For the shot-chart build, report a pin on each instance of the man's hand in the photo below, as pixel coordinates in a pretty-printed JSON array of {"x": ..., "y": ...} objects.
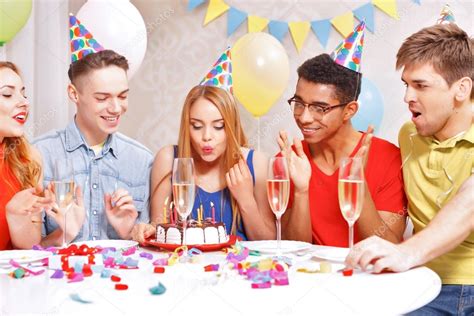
[
  {"x": 298, "y": 163},
  {"x": 382, "y": 254},
  {"x": 121, "y": 212}
]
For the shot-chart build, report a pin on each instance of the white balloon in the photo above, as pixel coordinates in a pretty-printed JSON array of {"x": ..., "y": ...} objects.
[{"x": 117, "y": 25}]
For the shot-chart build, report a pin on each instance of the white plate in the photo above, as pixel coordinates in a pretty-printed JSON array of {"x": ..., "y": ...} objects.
[
  {"x": 270, "y": 246},
  {"x": 109, "y": 243},
  {"x": 22, "y": 256},
  {"x": 335, "y": 254}
]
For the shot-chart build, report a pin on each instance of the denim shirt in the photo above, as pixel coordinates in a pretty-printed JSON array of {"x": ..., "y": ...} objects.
[{"x": 122, "y": 163}]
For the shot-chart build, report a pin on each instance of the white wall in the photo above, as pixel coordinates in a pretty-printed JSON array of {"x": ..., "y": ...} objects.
[{"x": 181, "y": 51}]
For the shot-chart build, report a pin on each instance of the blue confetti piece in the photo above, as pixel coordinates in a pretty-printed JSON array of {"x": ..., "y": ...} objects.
[
  {"x": 75, "y": 297},
  {"x": 105, "y": 273},
  {"x": 158, "y": 290}
]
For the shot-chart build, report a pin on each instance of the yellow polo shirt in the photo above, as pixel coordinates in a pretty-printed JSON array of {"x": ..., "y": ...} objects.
[{"x": 433, "y": 171}]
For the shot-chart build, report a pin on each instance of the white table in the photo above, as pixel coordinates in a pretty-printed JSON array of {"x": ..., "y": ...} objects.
[{"x": 192, "y": 291}]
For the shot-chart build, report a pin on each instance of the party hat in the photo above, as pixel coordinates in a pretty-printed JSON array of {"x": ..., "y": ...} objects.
[
  {"x": 349, "y": 52},
  {"x": 82, "y": 41},
  {"x": 221, "y": 73},
  {"x": 446, "y": 16}
]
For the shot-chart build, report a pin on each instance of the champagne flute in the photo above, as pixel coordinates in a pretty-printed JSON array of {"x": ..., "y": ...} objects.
[
  {"x": 351, "y": 192},
  {"x": 64, "y": 189},
  {"x": 183, "y": 189},
  {"x": 278, "y": 191}
]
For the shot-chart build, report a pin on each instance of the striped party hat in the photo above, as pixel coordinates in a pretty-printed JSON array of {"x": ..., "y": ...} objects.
[
  {"x": 82, "y": 41},
  {"x": 446, "y": 16},
  {"x": 349, "y": 52},
  {"x": 221, "y": 73}
]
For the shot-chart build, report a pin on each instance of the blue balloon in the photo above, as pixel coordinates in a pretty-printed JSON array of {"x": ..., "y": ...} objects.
[{"x": 370, "y": 107}]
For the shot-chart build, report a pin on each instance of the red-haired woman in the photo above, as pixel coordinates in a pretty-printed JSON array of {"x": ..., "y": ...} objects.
[{"x": 20, "y": 167}]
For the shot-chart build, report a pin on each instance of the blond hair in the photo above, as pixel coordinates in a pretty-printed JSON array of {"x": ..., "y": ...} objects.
[
  {"x": 235, "y": 136},
  {"x": 17, "y": 153}
]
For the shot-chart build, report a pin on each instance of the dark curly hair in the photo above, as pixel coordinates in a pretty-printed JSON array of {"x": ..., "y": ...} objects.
[
  {"x": 95, "y": 61},
  {"x": 323, "y": 70}
]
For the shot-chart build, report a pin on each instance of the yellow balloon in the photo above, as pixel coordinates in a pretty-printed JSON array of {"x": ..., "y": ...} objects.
[
  {"x": 260, "y": 71},
  {"x": 13, "y": 16}
]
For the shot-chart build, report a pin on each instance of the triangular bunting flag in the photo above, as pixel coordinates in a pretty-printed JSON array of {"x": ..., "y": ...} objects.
[
  {"x": 321, "y": 29},
  {"x": 256, "y": 23},
  {"x": 234, "y": 19},
  {"x": 366, "y": 13},
  {"x": 299, "y": 32},
  {"x": 344, "y": 23},
  {"x": 387, "y": 6},
  {"x": 193, "y": 4},
  {"x": 81, "y": 40},
  {"x": 221, "y": 73},
  {"x": 215, "y": 9},
  {"x": 417, "y": 1},
  {"x": 278, "y": 29}
]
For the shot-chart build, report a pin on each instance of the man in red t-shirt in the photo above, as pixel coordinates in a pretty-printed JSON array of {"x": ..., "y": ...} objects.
[{"x": 323, "y": 105}]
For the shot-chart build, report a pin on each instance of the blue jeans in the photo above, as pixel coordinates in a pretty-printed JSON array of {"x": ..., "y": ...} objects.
[{"x": 452, "y": 300}]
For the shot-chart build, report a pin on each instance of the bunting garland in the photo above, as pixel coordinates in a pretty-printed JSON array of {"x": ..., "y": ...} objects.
[{"x": 299, "y": 30}]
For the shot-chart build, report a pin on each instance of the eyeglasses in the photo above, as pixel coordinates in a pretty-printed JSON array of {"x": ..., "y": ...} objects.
[{"x": 316, "y": 110}]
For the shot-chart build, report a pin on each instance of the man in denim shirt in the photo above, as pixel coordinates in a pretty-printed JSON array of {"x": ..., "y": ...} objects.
[{"x": 112, "y": 169}]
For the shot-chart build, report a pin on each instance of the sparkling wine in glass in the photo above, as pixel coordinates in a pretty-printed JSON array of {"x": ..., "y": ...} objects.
[
  {"x": 183, "y": 189},
  {"x": 278, "y": 191},
  {"x": 64, "y": 187},
  {"x": 351, "y": 192}
]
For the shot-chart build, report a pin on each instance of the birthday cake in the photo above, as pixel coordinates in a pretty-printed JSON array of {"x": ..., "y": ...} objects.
[{"x": 197, "y": 232}]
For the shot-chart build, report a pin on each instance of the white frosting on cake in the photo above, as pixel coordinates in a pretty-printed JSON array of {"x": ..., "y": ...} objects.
[
  {"x": 211, "y": 236},
  {"x": 173, "y": 236},
  {"x": 160, "y": 234},
  {"x": 196, "y": 233},
  {"x": 194, "y": 236},
  {"x": 223, "y": 237}
]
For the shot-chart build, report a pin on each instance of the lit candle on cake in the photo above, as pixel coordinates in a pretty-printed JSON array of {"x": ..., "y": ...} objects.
[
  {"x": 165, "y": 211},
  {"x": 198, "y": 210},
  {"x": 213, "y": 213},
  {"x": 172, "y": 218}
]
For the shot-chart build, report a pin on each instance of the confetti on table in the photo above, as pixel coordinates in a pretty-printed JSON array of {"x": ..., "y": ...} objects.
[
  {"x": 105, "y": 273},
  {"x": 146, "y": 255},
  {"x": 75, "y": 277},
  {"x": 347, "y": 272},
  {"x": 77, "y": 298},
  {"x": 121, "y": 287},
  {"x": 159, "y": 270},
  {"x": 58, "y": 274},
  {"x": 158, "y": 290},
  {"x": 115, "y": 278}
]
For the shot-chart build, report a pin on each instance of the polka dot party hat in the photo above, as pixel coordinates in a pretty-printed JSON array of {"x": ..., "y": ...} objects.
[
  {"x": 221, "y": 73},
  {"x": 82, "y": 41},
  {"x": 446, "y": 16},
  {"x": 349, "y": 52}
]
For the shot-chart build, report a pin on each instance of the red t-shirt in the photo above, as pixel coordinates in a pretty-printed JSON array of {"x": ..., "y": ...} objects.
[
  {"x": 384, "y": 179},
  {"x": 9, "y": 185}
]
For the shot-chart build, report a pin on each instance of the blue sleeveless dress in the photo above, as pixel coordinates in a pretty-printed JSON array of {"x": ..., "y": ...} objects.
[{"x": 221, "y": 200}]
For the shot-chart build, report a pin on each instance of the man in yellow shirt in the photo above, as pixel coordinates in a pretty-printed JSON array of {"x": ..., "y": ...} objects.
[{"x": 437, "y": 150}]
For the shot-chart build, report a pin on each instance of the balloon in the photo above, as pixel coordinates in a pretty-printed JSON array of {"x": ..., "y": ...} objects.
[
  {"x": 370, "y": 107},
  {"x": 260, "y": 71},
  {"x": 13, "y": 16},
  {"x": 117, "y": 25}
]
